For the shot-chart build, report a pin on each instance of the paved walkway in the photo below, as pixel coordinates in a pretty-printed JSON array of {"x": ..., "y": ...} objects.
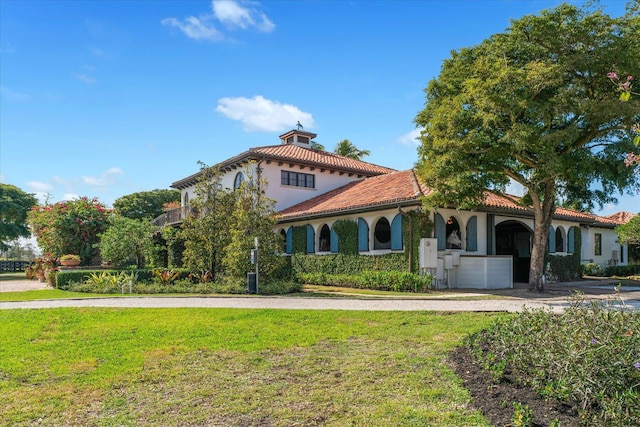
[{"x": 510, "y": 300}]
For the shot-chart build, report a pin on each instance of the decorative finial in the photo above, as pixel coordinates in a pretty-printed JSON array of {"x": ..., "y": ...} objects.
[{"x": 299, "y": 125}]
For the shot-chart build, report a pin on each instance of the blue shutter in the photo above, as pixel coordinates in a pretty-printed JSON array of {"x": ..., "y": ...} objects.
[
  {"x": 289, "y": 247},
  {"x": 472, "y": 234},
  {"x": 311, "y": 240},
  {"x": 334, "y": 241},
  {"x": 363, "y": 235},
  {"x": 571, "y": 240},
  {"x": 441, "y": 230},
  {"x": 396, "y": 233},
  {"x": 552, "y": 240}
]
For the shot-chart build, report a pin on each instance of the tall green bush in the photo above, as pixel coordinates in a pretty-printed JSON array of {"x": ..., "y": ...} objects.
[{"x": 347, "y": 232}]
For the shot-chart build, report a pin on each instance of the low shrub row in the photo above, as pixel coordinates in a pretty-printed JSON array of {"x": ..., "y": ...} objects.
[
  {"x": 587, "y": 358},
  {"x": 622, "y": 270},
  {"x": 165, "y": 282},
  {"x": 348, "y": 264},
  {"x": 398, "y": 281}
]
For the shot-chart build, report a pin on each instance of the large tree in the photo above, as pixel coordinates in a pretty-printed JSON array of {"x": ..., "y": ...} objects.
[
  {"x": 534, "y": 105},
  {"x": 346, "y": 148},
  {"x": 145, "y": 204},
  {"x": 14, "y": 205}
]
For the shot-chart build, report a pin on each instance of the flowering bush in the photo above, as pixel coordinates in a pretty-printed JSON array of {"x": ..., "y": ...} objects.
[{"x": 69, "y": 227}]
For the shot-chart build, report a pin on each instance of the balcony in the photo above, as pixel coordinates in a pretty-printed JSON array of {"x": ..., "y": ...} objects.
[{"x": 173, "y": 217}]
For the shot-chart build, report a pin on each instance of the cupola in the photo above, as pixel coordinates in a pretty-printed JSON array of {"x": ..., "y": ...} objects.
[{"x": 298, "y": 137}]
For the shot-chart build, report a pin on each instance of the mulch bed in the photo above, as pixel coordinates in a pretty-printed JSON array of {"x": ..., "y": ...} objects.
[{"x": 495, "y": 401}]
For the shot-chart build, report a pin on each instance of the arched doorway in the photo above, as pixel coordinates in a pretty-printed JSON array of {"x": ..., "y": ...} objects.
[{"x": 514, "y": 238}]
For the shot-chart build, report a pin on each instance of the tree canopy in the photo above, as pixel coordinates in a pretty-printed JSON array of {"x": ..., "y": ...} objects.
[
  {"x": 346, "y": 148},
  {"x": 630, "y": 232},
  {"x": 534, "y": 105},
  {"x": 145, "y": 204},
  {"x": 14, "y": 205}
]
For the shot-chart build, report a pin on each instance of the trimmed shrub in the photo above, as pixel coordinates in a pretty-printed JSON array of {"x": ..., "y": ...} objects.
[
  {"x": 347, "y": 264},
  {"x": 398, "y": 281},
  {"x": 622, "y": 270}
]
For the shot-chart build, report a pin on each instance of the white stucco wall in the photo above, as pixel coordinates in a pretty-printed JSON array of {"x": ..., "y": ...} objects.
[{"x": 609, "y": 244}]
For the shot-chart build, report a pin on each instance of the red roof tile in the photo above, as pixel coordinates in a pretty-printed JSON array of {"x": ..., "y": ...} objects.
[
  {"x": 294, "y": 153},
  {"x": 389, "y": 189},
  {"x": 622, "y": 217},
  {"x": 404, "y": 187}
]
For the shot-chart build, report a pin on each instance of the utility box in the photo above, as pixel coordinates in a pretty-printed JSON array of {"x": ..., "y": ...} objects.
[
  {"x": 428, "y": 253},
  {"x": 252, "y": 286}
]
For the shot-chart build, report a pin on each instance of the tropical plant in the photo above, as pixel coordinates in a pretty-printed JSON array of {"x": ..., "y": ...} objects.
[
  {"x": 346, "y": 148},
  {"x": 533, "y": 105}
]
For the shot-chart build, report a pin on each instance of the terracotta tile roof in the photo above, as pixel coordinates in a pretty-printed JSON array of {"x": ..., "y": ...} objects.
[
  {"x": 383, "y": 190},
  {"x": 404, "y": 188},
  {"x": 622, "y": 217},
  {"x": 503, "y": 201},
  {"x": 298, "y": 155},
  {"x": 319, "y": 158}
]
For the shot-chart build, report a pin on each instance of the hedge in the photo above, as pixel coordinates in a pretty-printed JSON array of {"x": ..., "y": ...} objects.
[
  {"x": 347, "y": 264},
  {"x": 622, "y": 270}
]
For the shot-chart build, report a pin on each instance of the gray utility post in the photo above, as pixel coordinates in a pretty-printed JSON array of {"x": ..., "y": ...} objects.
[{"x": 255, "y": 241}]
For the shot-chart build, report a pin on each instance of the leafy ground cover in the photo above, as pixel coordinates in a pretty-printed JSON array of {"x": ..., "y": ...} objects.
[
  {"x": 233, "y": 367},
  {"x": 581, "y": 367}
]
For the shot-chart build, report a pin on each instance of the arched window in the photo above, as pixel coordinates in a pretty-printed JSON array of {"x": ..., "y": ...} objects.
[
  {"x": 559, "y": 239},
  {"x": 283, "y": 235},
  {"x": 363, "y": 235},
  {"x": 324, "y": 243},
  {"x": 454, "y": 238},
  {"x": 472, "y": 234},
  {"x": 185, "y": 199},
  {"x": 551, "y": 246},
  {"x": 237, "y": 182},
  {"x": 441, "y": 229},
  {"x": 382, "y": 234},
  {"x": 396, "y": 233},
  {"x": 289, "y": 241},
  {"x": 311, "y": 240}
]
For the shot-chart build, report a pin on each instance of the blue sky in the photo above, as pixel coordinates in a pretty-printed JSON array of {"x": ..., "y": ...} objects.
[{"x": 108, "y": 98}]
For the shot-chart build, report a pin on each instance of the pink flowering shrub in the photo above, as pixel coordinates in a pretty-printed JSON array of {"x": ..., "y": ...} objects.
[{"x": 69, "y": 227}]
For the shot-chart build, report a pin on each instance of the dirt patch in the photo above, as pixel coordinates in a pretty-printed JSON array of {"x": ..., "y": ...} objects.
[{"x": 495, "y": 401}]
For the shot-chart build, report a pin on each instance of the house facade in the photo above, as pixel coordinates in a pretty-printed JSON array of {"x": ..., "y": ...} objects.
[{"x": 489, "y": 247}]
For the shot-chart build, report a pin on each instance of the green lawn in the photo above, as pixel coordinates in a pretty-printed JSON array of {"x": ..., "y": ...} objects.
[{"x": 232, "y": 367}]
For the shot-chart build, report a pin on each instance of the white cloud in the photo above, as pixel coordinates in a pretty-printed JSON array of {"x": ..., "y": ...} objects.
[
  {"x": 84, "y": 78},
  {"x": 241, "y": 15},
  {"x": 263, "y": 115},
  {"x": 410, "y": 138},
  {"x": 234, "y": 14},
  {"x": 40, "y": 187},
  {"x": 107, "y": 178},
  {"x": 70, "y": 196},
  {"x": 195, "y": 28}
]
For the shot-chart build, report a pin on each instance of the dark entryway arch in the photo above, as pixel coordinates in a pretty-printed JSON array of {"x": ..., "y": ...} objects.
[{"x": 514, "y": 238}]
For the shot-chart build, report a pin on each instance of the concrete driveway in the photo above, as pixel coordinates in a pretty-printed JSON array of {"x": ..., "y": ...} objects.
[{"x": 508, "y": 300}]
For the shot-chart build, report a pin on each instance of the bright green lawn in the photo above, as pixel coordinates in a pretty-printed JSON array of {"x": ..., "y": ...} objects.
[{"x": 232, "y": 367}]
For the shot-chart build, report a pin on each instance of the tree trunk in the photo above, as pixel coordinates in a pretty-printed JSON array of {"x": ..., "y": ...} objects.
[{"x": 543, "y": 214}]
